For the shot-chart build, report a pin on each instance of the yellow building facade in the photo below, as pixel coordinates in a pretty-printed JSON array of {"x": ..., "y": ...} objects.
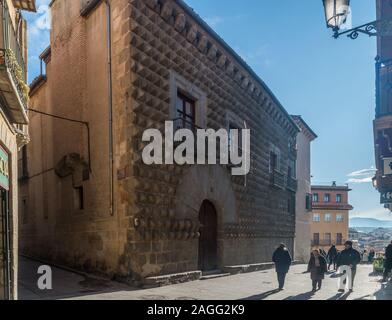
[{"x": 330, "y": 220}]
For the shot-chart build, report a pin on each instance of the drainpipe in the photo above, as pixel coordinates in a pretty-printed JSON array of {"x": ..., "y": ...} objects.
[{"x": 110, "y": 94}]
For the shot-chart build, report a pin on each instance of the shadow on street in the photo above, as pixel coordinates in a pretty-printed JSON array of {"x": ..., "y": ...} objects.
[{"x": 263, "y": 296}]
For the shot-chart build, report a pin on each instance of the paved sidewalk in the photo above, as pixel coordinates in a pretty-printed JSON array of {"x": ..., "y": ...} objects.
[
  {"x": 250, "y": 286},
  {"x": 66, "y": 284}
]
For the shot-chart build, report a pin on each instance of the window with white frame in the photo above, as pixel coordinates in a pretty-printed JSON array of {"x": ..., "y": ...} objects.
[
  {"x": 316, "y": 217},
  {"x": 339, "y": 218},
  {"x": 327, "y": 217}
]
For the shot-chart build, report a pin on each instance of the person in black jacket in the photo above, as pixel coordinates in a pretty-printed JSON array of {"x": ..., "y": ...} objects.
[
  {"x": 282, "y": 260},
  {"x": 388, "y": 262},
  {"x": 332, "y": 256},
  {"x": 317, "y": 267},
  {"x": 349, "y": 257}
]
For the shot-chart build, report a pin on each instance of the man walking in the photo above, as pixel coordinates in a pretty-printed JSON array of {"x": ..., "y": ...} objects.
[
  {"x": 332, "y": 256},
  {"x": 282, "y": 260},
  {"x": 388, "y": 262},
  {"x": 350, "y": 258}
]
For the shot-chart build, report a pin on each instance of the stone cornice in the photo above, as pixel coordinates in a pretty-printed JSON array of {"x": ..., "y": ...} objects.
[
  {"x": 199, "y": 34},
  {"x": 306, "y": 130}
]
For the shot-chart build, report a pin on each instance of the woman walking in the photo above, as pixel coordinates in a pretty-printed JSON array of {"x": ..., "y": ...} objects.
[{"x": 317, "y": 267}]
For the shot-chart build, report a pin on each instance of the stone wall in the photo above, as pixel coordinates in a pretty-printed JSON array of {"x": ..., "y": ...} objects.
[
  {"x": 153, "y": 227},
  {"x": 164, "y": 201},
  {"x": 303, "y": 234},
  {"x": 53, "y": 228}
]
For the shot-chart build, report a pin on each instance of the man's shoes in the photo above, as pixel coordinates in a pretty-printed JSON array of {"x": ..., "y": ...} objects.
[
  {"x": 280, "y": 289},
  {"x": 351, "y": 290},
  {"x": 341, "y": 290}
]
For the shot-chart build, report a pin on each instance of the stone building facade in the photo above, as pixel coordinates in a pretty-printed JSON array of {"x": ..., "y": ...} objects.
[
  {"x": 13, "y": 133},
  {"x": 383, "y": 116},
  {"x": 126, "y": 219},
  {"x": 304, "y": 193}
]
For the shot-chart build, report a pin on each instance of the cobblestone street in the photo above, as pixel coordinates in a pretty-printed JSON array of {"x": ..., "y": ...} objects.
[{"x": 250, "y": 286}]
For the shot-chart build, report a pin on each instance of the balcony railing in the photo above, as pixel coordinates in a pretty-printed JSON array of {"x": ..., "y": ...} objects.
[
  {"x": 331, "y": 205},
  {"x": 292, "y": 184},
  {"x": 324, "y": 243},
  {"x": 278, "y": 179},
  {"x": 12, "y": 69}
]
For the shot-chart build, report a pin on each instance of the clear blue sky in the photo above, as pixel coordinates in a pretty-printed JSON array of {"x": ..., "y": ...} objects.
[{"x": 329, "y": 82}]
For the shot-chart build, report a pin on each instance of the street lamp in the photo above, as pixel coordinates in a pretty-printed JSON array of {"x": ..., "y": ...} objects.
[{"x": 336, "y": 13}]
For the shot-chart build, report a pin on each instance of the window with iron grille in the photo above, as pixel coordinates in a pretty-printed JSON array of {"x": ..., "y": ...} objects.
[{"x": 186, "y": 112}]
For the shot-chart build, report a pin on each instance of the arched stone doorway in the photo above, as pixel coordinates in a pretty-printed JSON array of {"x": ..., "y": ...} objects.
[
  {"x": 208, "y": 241},
  {"x": 201, "y": 183}
]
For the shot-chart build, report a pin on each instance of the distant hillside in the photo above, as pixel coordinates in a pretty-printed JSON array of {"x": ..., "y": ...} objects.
[{"x": 369, "y": 223}]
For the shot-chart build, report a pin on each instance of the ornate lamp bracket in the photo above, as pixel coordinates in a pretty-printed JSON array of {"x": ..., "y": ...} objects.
[{"x": 372, "y": 29}]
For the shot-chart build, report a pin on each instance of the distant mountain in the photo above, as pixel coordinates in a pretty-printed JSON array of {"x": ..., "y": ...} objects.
[{"x": 369, "y": 223}]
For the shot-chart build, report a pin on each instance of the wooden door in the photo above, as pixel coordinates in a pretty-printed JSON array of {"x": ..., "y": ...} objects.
[{"x": 208, "y": 242}]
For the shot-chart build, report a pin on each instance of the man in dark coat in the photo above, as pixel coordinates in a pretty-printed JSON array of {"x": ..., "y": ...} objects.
[
  {"x": 332, "y": 256},
  {"x": 349, "y": 257},
  {"x": 282, "y": 260},
  {"x": 388, "y": 262}
]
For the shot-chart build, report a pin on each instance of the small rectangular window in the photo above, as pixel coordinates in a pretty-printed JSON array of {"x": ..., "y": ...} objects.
[
  {"x": 327, "y": 197},
  {"x": 273, "y": 161},
  {"x": 315, "y": 197},
  {"x": 316, "y": 217},
  {"x": 291, "y": 204},
  {"x": 339, "y": 239},
  {"x": 339, "y": 218},
  {"x": 316, "y": 239},
  {"x": 328, "y": 239},
  {"x": 186, "y": 112},
  {"x": 308, "y": 203},
  {"x": 239, "y": 137},
  {"x": 292, "y": 169},
  {"x": 327, "y": 217},
  {"x": 338, "y": 198},
  {"x": 79, "y": 198}
]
